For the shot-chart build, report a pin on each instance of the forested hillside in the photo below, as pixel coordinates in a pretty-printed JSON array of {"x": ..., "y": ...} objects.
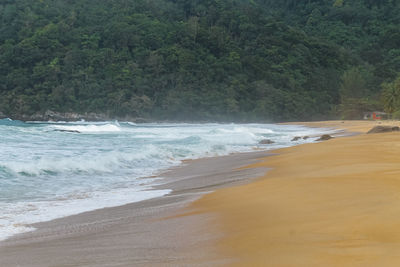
[{"x": 220, "y": 60}]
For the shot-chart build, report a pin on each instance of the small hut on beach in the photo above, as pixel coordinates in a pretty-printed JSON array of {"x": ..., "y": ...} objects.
[{"x": 375, "y": 115}]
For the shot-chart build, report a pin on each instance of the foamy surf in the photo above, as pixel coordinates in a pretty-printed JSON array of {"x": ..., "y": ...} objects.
[
  {"x": 17, "y": 218},
  {"x": 47, "y": 173},
  {"x": 88, "y": 128}
]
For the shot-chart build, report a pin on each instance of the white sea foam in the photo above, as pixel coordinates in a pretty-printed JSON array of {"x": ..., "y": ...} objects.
[
  {"x": 251, "y": 130},
  {"x": 89, "y": 128},
  {"x": 16, "y": 218}
]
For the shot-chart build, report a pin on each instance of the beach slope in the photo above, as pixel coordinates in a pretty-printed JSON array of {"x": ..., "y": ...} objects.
[
  {"x": 334, "y": 203},
  {"x": 146, "y": 233}
]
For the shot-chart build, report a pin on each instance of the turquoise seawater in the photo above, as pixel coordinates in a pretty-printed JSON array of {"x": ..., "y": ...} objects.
[{"x": 51, "y": 170}]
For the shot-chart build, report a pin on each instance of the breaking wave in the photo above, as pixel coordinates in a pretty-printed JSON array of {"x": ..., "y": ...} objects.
[{"x": 89, "y": 128}]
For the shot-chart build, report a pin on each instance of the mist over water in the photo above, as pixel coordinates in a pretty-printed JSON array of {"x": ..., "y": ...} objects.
[{"x": 51, "y": 170}]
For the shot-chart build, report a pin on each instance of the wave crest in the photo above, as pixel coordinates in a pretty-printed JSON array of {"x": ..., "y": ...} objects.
[{"x": 88, "y": 128}]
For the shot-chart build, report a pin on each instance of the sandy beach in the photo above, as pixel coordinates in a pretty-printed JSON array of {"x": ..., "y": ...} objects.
[{"x": 334, "y": 203}]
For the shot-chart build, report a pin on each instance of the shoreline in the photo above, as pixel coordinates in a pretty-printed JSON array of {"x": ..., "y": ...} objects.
[
  {"x": 134, "y": 233},
  {"x": 51, "y": 211},
  {"x": 185, "y": 191}
]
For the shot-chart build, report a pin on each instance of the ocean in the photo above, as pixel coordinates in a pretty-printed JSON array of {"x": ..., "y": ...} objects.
[{"x": 50, "y": 170}]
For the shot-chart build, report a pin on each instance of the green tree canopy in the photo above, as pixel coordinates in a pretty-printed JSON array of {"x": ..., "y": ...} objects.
[{"x": 243, "y": 60}]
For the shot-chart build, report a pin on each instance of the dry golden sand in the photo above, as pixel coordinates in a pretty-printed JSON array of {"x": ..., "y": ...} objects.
[{"x": 335, "y": 203}]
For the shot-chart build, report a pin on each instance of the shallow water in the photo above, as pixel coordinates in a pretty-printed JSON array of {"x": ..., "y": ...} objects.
[{"x": 51, "y": 170}]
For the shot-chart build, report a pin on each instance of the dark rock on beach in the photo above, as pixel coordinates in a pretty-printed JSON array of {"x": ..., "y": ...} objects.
[
  {"x": 383, "y": 129},
  {"x": 266, "y": 142},
  {"x": 305, "y": 137},
  {"x": 324, "y": 137},
  {"x": 296, "y": 138}
]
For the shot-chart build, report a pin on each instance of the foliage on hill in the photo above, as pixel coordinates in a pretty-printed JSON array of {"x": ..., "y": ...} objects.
[{"x": 198, "y": 60}]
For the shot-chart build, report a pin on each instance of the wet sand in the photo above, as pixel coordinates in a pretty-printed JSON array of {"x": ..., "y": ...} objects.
[
  {"x": 334, "y": 203},
  {"x": 146, "y": 233}
]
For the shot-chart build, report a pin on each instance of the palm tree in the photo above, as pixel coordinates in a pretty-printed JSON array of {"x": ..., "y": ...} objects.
[{"x": 391, "y": 96}]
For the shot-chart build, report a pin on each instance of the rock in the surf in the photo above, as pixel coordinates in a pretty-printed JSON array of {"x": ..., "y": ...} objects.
[
  {"x": 266, "y": 142},
  {"x": 324, "y": 137}
]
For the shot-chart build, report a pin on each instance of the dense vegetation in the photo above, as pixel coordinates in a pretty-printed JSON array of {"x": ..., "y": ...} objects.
[{"x": 254, "y": 60}]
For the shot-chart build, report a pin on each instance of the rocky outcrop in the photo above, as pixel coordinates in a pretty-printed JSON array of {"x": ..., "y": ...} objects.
[
  {"x": 383, "y": 129},
  {"x": 70, "y": 116},
  {"x": 266, "y": 142},
  {"x": 324, "y": 137},
  {"x": 50, "y": 115},
  {"x": 296, "y": 138}
]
